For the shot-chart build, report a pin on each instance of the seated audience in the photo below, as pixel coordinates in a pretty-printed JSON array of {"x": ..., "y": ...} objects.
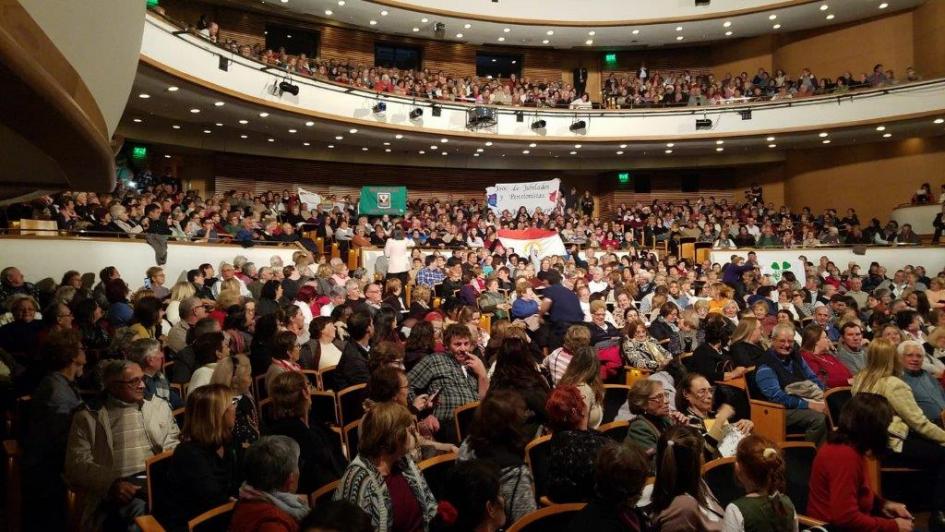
[
  {"x": 473, "y": 500},
  {"x": 352, "y": 367},
  {"x": 285, "y": 356},
  {"x": 620, "y": 474},
  {"x": 584, "y": 373},
  {"x": 209, "y": 349},
  {"x": 850, "y": 349},
  {"x": 925, "y": 388},
  {"x": 695, "y": 402},
  {"x": 681, "y": 500},
  {"x": 235, "y": 372},
  {"x": 147, "y": 353},
  {"x": 760, "y": 469},
  {"x": 816, "y": 351},
  {"x": 577, "y": 337}
]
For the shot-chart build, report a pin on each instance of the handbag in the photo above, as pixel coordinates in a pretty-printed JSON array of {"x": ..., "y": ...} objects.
[{"x": 805, "y": 389}]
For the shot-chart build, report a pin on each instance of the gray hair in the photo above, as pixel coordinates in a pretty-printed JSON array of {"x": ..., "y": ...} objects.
[
  {"x": 781, "y": 328},
  {"x": 275, "y": 261},
  {"x": 187, "y": 306},
  {"x": 270, "y": 462},
  {"x": 904, "y": 346},
  {"x": 239, "y": 261},
  {"x": 248, "y": 267},
  {"x": 114, "y": 370},
  {"x": 143, "y": 348}
]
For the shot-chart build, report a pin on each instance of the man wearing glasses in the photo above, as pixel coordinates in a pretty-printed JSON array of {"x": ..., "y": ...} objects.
[{"x": 110, "y": 442}]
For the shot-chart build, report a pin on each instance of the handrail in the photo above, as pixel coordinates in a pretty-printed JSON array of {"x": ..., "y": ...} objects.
[
  {"x": 13, "y": 232},
  {"x": 420, "y": 101}
]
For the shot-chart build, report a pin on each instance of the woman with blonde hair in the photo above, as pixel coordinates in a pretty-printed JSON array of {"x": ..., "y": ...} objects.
[
  {"x": 235, "y": 371},
  {"x": 201, "y": 474},
  {"x": 915, "y": 441},
  {"x": 721, "y": 295},
  {"x": 583, "y": 372},
  {"x": 749, "y": 342},
  {"x": 179, "y": 292}
]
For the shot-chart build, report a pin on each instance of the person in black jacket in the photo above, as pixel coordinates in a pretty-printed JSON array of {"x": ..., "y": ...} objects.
[
  {"x": 708, "y": 359},
  {"x": 353, "y": 368},
  {"x": 939, "y": 225},
  {"x": 320, "y": 460},
  {"x": 515, "y": 369},
  {"x": 156, "y": 223},
  {"x": 202, "y": 473},
  {"x": 620, "y": 475}
]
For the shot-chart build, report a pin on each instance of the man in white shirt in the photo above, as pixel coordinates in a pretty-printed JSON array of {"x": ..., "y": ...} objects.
[
  {"x": 337, "y": 296},
  {"x": 597, "y": 283},
  {"x": 228, "y": 271}
]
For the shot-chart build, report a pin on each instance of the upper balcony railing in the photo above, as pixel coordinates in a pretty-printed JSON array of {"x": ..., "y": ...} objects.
[{"x": 177, "y": 52}]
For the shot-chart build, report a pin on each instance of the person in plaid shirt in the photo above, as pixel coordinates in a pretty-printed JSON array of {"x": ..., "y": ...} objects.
[
  {"x": 458, "y": 375},
  {"x": 433, "y": 273}
]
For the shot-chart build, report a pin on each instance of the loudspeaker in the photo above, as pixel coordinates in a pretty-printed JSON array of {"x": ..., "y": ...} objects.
[
  {"x": 641, "y": 184},
  {"x": 690, "y": 183},
  {"x": 703, "y": 2},
  {"x": 703, "y": 123},
  {"x": 436, "y": 110},
  {"x": 224, "y": 64},
  {"x": 519, "y": 116}
]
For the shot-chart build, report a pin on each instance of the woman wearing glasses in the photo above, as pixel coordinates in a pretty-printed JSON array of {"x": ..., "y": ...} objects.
[
  {"x": 695, "y": 402},
  {"x": 649, "y": 403}
]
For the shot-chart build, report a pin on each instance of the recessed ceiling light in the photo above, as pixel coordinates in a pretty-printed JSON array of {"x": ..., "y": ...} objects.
[
  {"x": 271, "y": 139},
  {"x": 293, "y": 131},
  {"x": 592, "y": 33},
  {"x": 887, "y": 135},
  {"x": 679, "y": 37},
  {"x": 488, "y": 143},
  {"x": 416, "y": 29},
  {"x": 506, "y": 30},
  {"x": 550, "y": 32},
  {"x": 623, "y": 146},
  {"x": 668, "y": 151},
  {"x": 532, "y": 145},
  {"x": 669, "y": 144},
  {"x": 136, "y": 120},
  {"x": 720, "y": 142},
  {"x": 480, "y": 150},
  {"x": 398, "y": 136},
  {"x": 207, "y": 131},
  {"x": 383, "y": 12},
  {"x": 577, "y": 146},
  {"x": 352, "y": 131},
  {"x": 310, "y": 123},
  {"x": 620, "y": 153},
  {"x": 728, "y": 33},
  {"x": 501, "y": 39},
  {"x": 219, "y": 124},
  {"x": 525, "y": 152},
  {"x": 467, "y": 26},
  {"x": 589, "y": 42},
  {"x": 329, "y": 12},
  {"x": 720, "y": 149},
  {"x": 545, "y": 41},
  {"x": 459, "y": 35},
  {"x": 424, "y": 20},
  {"x": 444, "y": 153},
  {"x": 175, "y": 126},
  {"x": 421, "y": 152},
  {"x": 772, "y": 17},
  {"x": 244, "y": 122},
  {"x": 939, "y": 121},
  {"x": 331, "y": 146},
  {"x": 218, "y": 104},
  {"x": 573, "y": 153},
  {"x": 678, "y": 28},
  {"x": 884, "y": 5},
  {"x": 830, "y": 16},
  {"x": 823, "y": 134},
  {"x": 727, "y": 24},
  {"x": 144, "y": 96},
  {"x": 195, "y": 110},
  {"x": 372, "y": 22},
  {"x": 341, "y": 2},
  {"x": 475, "y": 155},
  {"x": 770, "y": 139},
  {"x": 364, "y": 148},
  {"x": 826, "y": 141},
  {"x": 880, "y": 128},
  {"x": 387, "y": 150},
  {"x": 824, "y": 7},
  {"x": 444, "y": 141},
  {"x": 339, "y": 137},
  {"x": 776, "y": 27},
  {"x": 263, "y": 114},
  {"x": 306, "y": 144},
  {"x": 172, "y": 88},
  {"x": 387, "y": 143},
  {"x": 434, "y": 147},
  {"x": 166, "y": 156},
  {"x": 772, "y": 145},
  {"x": 285, "y": 1},
  {"x": 635, "y": 32},
  {"x": 244, "y": 136}
]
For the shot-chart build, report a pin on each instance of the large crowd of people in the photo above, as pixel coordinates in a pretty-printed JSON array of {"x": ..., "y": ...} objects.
[
  {"x": 107, "y": 368},
  {"x": 643, "y": 88}
]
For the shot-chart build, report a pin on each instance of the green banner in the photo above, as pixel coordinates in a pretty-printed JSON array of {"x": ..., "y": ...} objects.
[{"x": 383, "y": 200}]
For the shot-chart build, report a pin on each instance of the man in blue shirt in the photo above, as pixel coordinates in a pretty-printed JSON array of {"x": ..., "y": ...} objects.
[
  {"x": 432, "y": 274},
  {"x": 927, "y": 391},
  {"x": 561, "y": 308},
  {"x": 781, "y": 367}
]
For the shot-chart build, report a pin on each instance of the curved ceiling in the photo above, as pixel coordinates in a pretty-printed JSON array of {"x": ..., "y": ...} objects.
[{"x": 615, "y": 31}]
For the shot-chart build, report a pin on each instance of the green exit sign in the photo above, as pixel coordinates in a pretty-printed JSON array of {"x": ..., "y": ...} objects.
[
  {"x": 139, "y": 152},
  {"x": 610, "y": 58},
  {"x": 623, "y": 177},
  {"x": 152, "y": 3}
]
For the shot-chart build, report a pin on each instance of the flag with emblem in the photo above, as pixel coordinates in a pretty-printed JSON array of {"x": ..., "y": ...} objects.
[{"x": 539, "y": 243}]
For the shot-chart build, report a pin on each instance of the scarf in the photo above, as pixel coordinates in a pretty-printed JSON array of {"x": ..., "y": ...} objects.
[
  {"x": 289, "y": 503},
  {"x": 672, "y": 326},
  {"x": 287, "y": 365}
]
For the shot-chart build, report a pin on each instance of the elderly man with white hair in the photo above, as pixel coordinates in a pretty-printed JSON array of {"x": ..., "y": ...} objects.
[{"x": 927, "y": 391}]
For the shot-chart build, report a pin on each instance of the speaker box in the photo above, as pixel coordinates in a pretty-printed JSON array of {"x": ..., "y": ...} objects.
[
  {"x": 641, "y": 185},
  {"x": 224, "y": 64},
  {"x": 690, "y": 183}
]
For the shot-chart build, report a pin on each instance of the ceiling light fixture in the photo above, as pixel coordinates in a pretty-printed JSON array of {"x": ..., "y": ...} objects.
[
  {"x": 506, "y": 30},
  {"x": 309, "y": 123},
  {"x": 364, "y": 148},
  {"x": 352, "y": 131},
  {"x": 720, "y": 142},
  {"x": 271, "y": 139},
  {"x": 887, "y": 135},
  {"x": 488, "y": 143},
  {"x": 398, "y": 136},
  {"x": 195, "y": 110},
  {"x": 776, "y": 27},
  {"x": 826, "y": 141},
  {"x": 306, "y": 144},
  {"x": 830, "y": 16},
  {"x": 244, "y": 136},
  {"x": 824, "y": 7},
  {"x": 532, "y": 145},
  {"x": 884, "y": 5},
  {"x": 770, "y": 139},
  {"x": 589, "y": 42},
  {"x": 720, "y": 149},
  {"x": 339, "y": 137},
  {"x": 678, "y": 28},
  {"x": 577, "y": 146},
  {"x": 592, "y": 33},
  {"x": 573, "y": 153},
  {"x": 219, "y": 124},
  {"x": 467, "y": 26},
  {"x": 880, "y": 128},
  {"x": 383, "y": 12},
  {"x": 939, "y": 121},
  {"x": 480, "y": 150},
  {"x": 772, "y": 17},
  {"x": 635, "y": 32},
  {"x": 331, "y": 146},
  {"x": 669, "y": 144},
  {"x": 620, "y": 153},
  {"x": 387, "y": 150},
  {"x": 823, "y": 134},
  {"x": 136, "y": 120},
  {"x": 372, "y": 22},
  {"x": 293, "y": 131},
  {"x": 501, "y": 39},
  {"x": 244, "y": 122},
  {"x": 329, "y": 12},
  {"x": 263, "y": 114},
  {"x": 434, "y": 147},
  {"x": 550, "y": 32},
  {"x": 525, "y": 152},
  {"x": 218, "y": 104},
  {"x": 172, "y": 88},
  {"x": 424, "y": 20},
  {"x": 728, "y": 33},
  {"x": 416, "y": 29},
  {"x": 727, "y": 24},
  {"x": 668, "y": 151},
  {"x": 459, "y": 35},
  {"x": 144, "y": 96},
  {"x": 679, "y": 37},
  {"x": 175, "y": 126},
  {"x": 207, "y": 131},
  {"x": 772, "y": 145},
  {"x": 545, "y": 41}
]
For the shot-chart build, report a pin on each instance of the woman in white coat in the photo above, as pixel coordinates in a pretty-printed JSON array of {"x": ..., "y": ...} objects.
[{"x": 398, "y": 258}]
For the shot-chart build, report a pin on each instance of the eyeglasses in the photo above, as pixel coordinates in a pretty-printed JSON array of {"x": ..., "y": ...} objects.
[
  {"x": 661, "y": 398},
  {"x": 134, "y": 383},
  {"x": 705, "y": 391}
]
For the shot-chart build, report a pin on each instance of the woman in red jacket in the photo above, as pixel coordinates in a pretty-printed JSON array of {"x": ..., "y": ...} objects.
[
  {"x": 839, "y": 491},
  {"x": 267, "y": 500}
]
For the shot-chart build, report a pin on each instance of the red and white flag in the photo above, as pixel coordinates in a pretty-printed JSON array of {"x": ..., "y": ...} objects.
[{"x": 539, "y": 243}]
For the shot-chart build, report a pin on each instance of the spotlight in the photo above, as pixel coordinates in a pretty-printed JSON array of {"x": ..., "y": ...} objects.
[
  {"x": 285, "y": 86},
  {"x": 579, "y": 125},
  {"x": 703, "y": 123},
  {"x": 379, "y": 107},
  {"x": 539, "y": 124},
  {"x": 416, "y": 113}
]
